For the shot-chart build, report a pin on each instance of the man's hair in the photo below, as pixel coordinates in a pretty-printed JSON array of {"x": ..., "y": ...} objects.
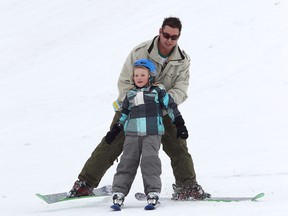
[{"x": 173, "y": 22}]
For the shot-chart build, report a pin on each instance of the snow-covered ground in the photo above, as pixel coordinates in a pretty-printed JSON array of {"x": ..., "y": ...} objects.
[{"x": 59, "y": 64}]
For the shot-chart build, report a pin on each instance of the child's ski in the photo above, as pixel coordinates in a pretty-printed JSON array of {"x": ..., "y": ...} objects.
[
  {"x": 151, "y": 206},
  {"x": 115, "y": 207}
]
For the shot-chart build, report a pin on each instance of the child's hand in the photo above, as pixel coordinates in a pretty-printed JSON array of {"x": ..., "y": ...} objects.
[
  {"x": 182, "y": 132},
  {"x": 111, "y": 135},
  {"x": 181, "y": 128}
]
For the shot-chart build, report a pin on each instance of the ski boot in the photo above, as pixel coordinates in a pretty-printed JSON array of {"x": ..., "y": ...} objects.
[
  {"x": 118, "y": 200},
  {"x": 152, "y": 200},
  {"x": 80, "y": 188},
  {"x": 193, "y": 192}
]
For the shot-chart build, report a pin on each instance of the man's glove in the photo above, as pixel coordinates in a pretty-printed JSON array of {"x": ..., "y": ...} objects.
[
  {"x": 111, "y": 135},
  {"x": 181, "y": 128}
]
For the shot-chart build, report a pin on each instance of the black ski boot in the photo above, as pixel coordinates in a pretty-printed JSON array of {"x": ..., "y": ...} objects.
[
  {"x": 193, "y": 192},
  {"x": 153, "y": 198},
  {"x": 80, "y": 188},
  {"x": 118, "y": 199}
]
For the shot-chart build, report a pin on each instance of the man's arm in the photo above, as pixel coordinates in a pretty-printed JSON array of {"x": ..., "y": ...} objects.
[
  {"x": 181, "y": 84},
  {"x": 124, "y": 81}
]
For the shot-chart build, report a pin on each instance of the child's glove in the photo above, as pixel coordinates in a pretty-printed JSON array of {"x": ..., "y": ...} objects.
[
  {"x": 111, "y": 135},
  {"x": 181, "y": 128}
]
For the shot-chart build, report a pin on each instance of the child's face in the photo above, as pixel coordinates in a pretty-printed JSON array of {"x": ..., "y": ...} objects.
[{"x": 140, "y": 76}]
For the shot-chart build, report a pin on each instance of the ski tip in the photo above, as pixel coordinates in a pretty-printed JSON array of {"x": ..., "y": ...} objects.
[
  {"x": 140, "y": 196},
  {"x": 39, "y": 195},
  {"x": 115, "y": 207},
  {"x": 42, "y": 198},
  {"x": 258, "y": 196},
  {"x": 149, "y": 207}
]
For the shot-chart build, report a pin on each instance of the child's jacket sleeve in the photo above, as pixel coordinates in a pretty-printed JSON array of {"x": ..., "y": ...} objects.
[
  {"x": 125, "y": 111},
  {"x": 168, "y": 103}
]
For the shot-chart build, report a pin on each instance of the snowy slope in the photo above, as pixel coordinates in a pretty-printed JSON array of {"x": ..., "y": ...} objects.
[{"x": 59, "y": 64}]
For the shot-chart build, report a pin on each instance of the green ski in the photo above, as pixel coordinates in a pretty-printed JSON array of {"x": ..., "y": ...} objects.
[
  {"x": 60, "y": 197},
  {"x": 142, "y": 197}
]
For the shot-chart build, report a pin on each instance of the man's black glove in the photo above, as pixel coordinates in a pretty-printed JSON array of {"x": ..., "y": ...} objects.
[
  {"x": 111, "y": 135},
  {"x": 181, "y": 128}
]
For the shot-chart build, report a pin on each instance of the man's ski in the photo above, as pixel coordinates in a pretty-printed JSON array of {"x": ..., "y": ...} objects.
[
  {"x": 235, "y": 199},
  {"x": 142, "y": 197},
  {"x": 60, "y": 197}
]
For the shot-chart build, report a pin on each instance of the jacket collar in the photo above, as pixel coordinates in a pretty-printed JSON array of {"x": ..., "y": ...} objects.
[{"x": 176, "y": 55}]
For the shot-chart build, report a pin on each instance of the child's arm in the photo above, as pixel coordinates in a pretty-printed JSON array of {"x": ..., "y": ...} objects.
[
  {"x": 171, "y": 107},
  {"x": 168, "y": 103},
  {"x": 125, "y": 111},
  {"x": 118, "y": 126}
]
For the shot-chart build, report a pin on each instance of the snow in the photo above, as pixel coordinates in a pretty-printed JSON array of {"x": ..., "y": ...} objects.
[{"x": 59, "y": 65}]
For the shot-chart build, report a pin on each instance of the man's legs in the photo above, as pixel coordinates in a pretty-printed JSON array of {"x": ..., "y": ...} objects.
[
  {"x": 100, "y": 161},
  {"x": 176, "y": 149},
  {"x": 182, "y": 164}
]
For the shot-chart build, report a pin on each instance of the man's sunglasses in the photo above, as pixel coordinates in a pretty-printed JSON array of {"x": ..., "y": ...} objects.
[{"x": 168, "y": 36}]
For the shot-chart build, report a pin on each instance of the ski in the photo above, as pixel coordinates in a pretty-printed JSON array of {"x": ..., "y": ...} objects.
[
  {"x": 115, "y": 207},
  {"x": 142, "y": 197},
  {"x": 235, "y": 199},
  {"x": 151, "y": 206},
  {"x": 60, "y": 197}
]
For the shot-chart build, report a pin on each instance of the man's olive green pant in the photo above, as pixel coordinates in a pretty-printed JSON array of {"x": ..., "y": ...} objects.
[{"x": 105, "y": 154}]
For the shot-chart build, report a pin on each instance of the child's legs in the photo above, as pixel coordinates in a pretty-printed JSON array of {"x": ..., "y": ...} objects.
[
  {"x": 151, "y": 164},
  {"x": 127, "y": 168}
]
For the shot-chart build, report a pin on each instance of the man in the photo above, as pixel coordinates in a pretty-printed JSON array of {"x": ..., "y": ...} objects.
[{"x": 173, "y": 73}]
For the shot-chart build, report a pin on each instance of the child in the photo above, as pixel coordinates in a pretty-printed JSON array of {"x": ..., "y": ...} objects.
[{"x": 141, "y": 118}]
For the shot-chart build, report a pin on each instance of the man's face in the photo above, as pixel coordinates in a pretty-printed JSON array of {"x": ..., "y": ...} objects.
[{"x": 169, "y": 37}]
